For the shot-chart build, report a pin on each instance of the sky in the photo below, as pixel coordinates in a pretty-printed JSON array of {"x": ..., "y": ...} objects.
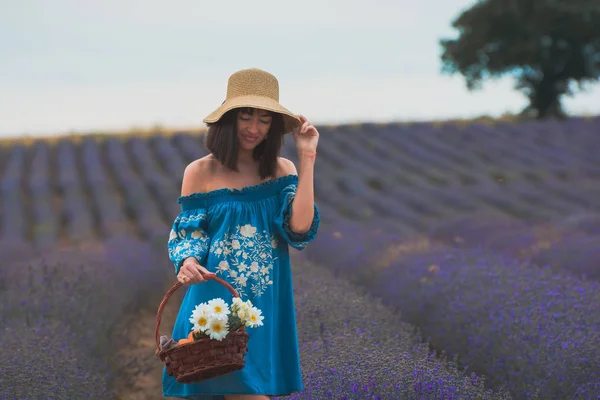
[{"x": 77, "y": 66}]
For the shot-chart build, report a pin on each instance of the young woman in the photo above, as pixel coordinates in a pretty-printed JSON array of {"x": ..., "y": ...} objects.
[{"x": 241, "y": 206}]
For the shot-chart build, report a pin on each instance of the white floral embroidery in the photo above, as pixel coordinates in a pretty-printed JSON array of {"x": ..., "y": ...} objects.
[
  {"x": 186, "y": 239},
  {"x": 182, "y": 246},
  {"x": 192, "y": 218},
  {"x": 293, "y": 238},
  {"x": 247, "y": 259}
]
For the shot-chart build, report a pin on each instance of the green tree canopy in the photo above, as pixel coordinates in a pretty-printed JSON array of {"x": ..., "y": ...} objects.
[{"x": 551, "y": 47}]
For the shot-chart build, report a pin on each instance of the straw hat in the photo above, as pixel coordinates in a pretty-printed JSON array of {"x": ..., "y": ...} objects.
[{"x": 256, "y": 88}]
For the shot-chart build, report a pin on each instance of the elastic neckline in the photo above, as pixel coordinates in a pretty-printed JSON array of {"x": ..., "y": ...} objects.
[{"x": 292, "y": 178}]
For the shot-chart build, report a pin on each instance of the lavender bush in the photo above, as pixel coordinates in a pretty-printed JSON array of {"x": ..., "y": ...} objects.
[
  {"x": 15, "y": 250},
  {"x": 577, "y": 255},
  {"x": 510, "y": 241},
  {"x": 13, "y": 222},
  {"x": 168, "y": 157},
  {"x": 531, "y": 328},
  {"x": 161, "y": 186},
  {"x": 105, "y": 198},
  {"x": 42, "y": 359},
  {"x": 45, "y": 229},
  {"x": 77, "y": 212},
  {"x": 189, "y": 146},
  {"x": 589, "y": 223},
  {"x": 349, "y": 249},
  {"x": 563, "y": 246},
  {"x": 353, "y": 347},
  {"x": 138, "y": 200},
  {"x": 472, "y": 230},
  {"x": 68, "y": 302}
]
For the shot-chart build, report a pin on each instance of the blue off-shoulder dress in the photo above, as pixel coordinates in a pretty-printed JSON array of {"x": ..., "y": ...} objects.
[{"x": 242, "y": 235}]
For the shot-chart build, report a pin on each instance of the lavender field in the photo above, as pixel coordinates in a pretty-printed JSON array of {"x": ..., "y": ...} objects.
[{"x": 453, "y": 262}]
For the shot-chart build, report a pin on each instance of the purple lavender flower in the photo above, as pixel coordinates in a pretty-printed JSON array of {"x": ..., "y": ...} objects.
[
  {"x": 521, "y": 325},
  {"x": 59, "y": 313}
]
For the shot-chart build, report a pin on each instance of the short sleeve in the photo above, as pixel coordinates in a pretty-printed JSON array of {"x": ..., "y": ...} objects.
[
  {"x": 188, "y": 237},
  {"x": 282, "y": 220}
]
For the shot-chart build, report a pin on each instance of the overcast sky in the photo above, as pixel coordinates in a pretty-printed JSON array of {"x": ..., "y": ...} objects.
[{"x": 79, "y": 65}]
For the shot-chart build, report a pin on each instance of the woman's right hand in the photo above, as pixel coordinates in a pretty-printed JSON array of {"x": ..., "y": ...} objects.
[{"x": 191, "y": 272}]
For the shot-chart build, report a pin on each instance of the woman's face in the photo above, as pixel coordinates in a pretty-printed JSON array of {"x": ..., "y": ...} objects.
[{"x": 252, "y": 127}]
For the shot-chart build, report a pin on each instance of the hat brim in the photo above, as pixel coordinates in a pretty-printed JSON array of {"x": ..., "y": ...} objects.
[{"x": 290, "y": 120}]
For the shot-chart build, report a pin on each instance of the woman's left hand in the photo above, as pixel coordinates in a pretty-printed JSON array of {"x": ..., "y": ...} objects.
[{"x": 306, "y": 136}]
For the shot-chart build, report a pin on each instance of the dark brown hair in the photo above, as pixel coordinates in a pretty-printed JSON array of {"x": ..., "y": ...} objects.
[{"x": 222, "y": 141}]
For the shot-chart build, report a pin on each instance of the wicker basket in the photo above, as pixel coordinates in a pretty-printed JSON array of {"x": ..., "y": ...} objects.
[{"x": 204, "y": 358}]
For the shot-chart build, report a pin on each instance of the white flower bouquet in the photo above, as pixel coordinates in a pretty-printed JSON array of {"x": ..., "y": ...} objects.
[
  {"x": 217, "y": 343},
  {"x": 215, "y": 319}
]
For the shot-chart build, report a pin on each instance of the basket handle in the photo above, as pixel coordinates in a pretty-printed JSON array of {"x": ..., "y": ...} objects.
[{"x": 170, "y": 292}]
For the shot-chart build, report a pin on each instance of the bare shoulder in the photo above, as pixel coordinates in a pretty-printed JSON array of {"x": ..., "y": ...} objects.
[
  {"x": 286, "y": 167},
  {"x": 197, "y": 174}
]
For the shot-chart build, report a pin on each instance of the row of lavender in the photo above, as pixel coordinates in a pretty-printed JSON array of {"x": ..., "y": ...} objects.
[
  {"x": 427, "y": 174},
  {"x": 110, "y": 210},
  {"x": 408, "y": 177},
  {"x": 59, "y": 311},
  {"x": 523, "y": 324},
  {"x": 570, "y": 244},
  {"x": 60, "y": 314},
  {"x": 353, "y": 347},
  {"x": 63, "y": 307},
  {"x": 404, "y": 175},
  {"x": 80, "y": 193}
]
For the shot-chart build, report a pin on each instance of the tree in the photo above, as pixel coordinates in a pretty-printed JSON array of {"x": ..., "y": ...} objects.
[{"x": 551, "y": 47}]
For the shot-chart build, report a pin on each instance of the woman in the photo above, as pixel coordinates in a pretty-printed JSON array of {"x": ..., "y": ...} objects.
[{"x": 242, "y": 205}]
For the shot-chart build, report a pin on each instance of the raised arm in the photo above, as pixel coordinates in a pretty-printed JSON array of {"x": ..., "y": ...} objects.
[{"x": 303, "y": 205}]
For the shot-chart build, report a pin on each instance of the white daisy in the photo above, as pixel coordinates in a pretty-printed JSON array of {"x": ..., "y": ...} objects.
[
  {"x": 217, "y": 329},
  {"x": 255, "y": 318},
  {"x": 243, "y": 311},
  {"x": 218, "y": 308},
  {"x": 237, "y": 301},
  {"x": 200, "y": 317}
]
